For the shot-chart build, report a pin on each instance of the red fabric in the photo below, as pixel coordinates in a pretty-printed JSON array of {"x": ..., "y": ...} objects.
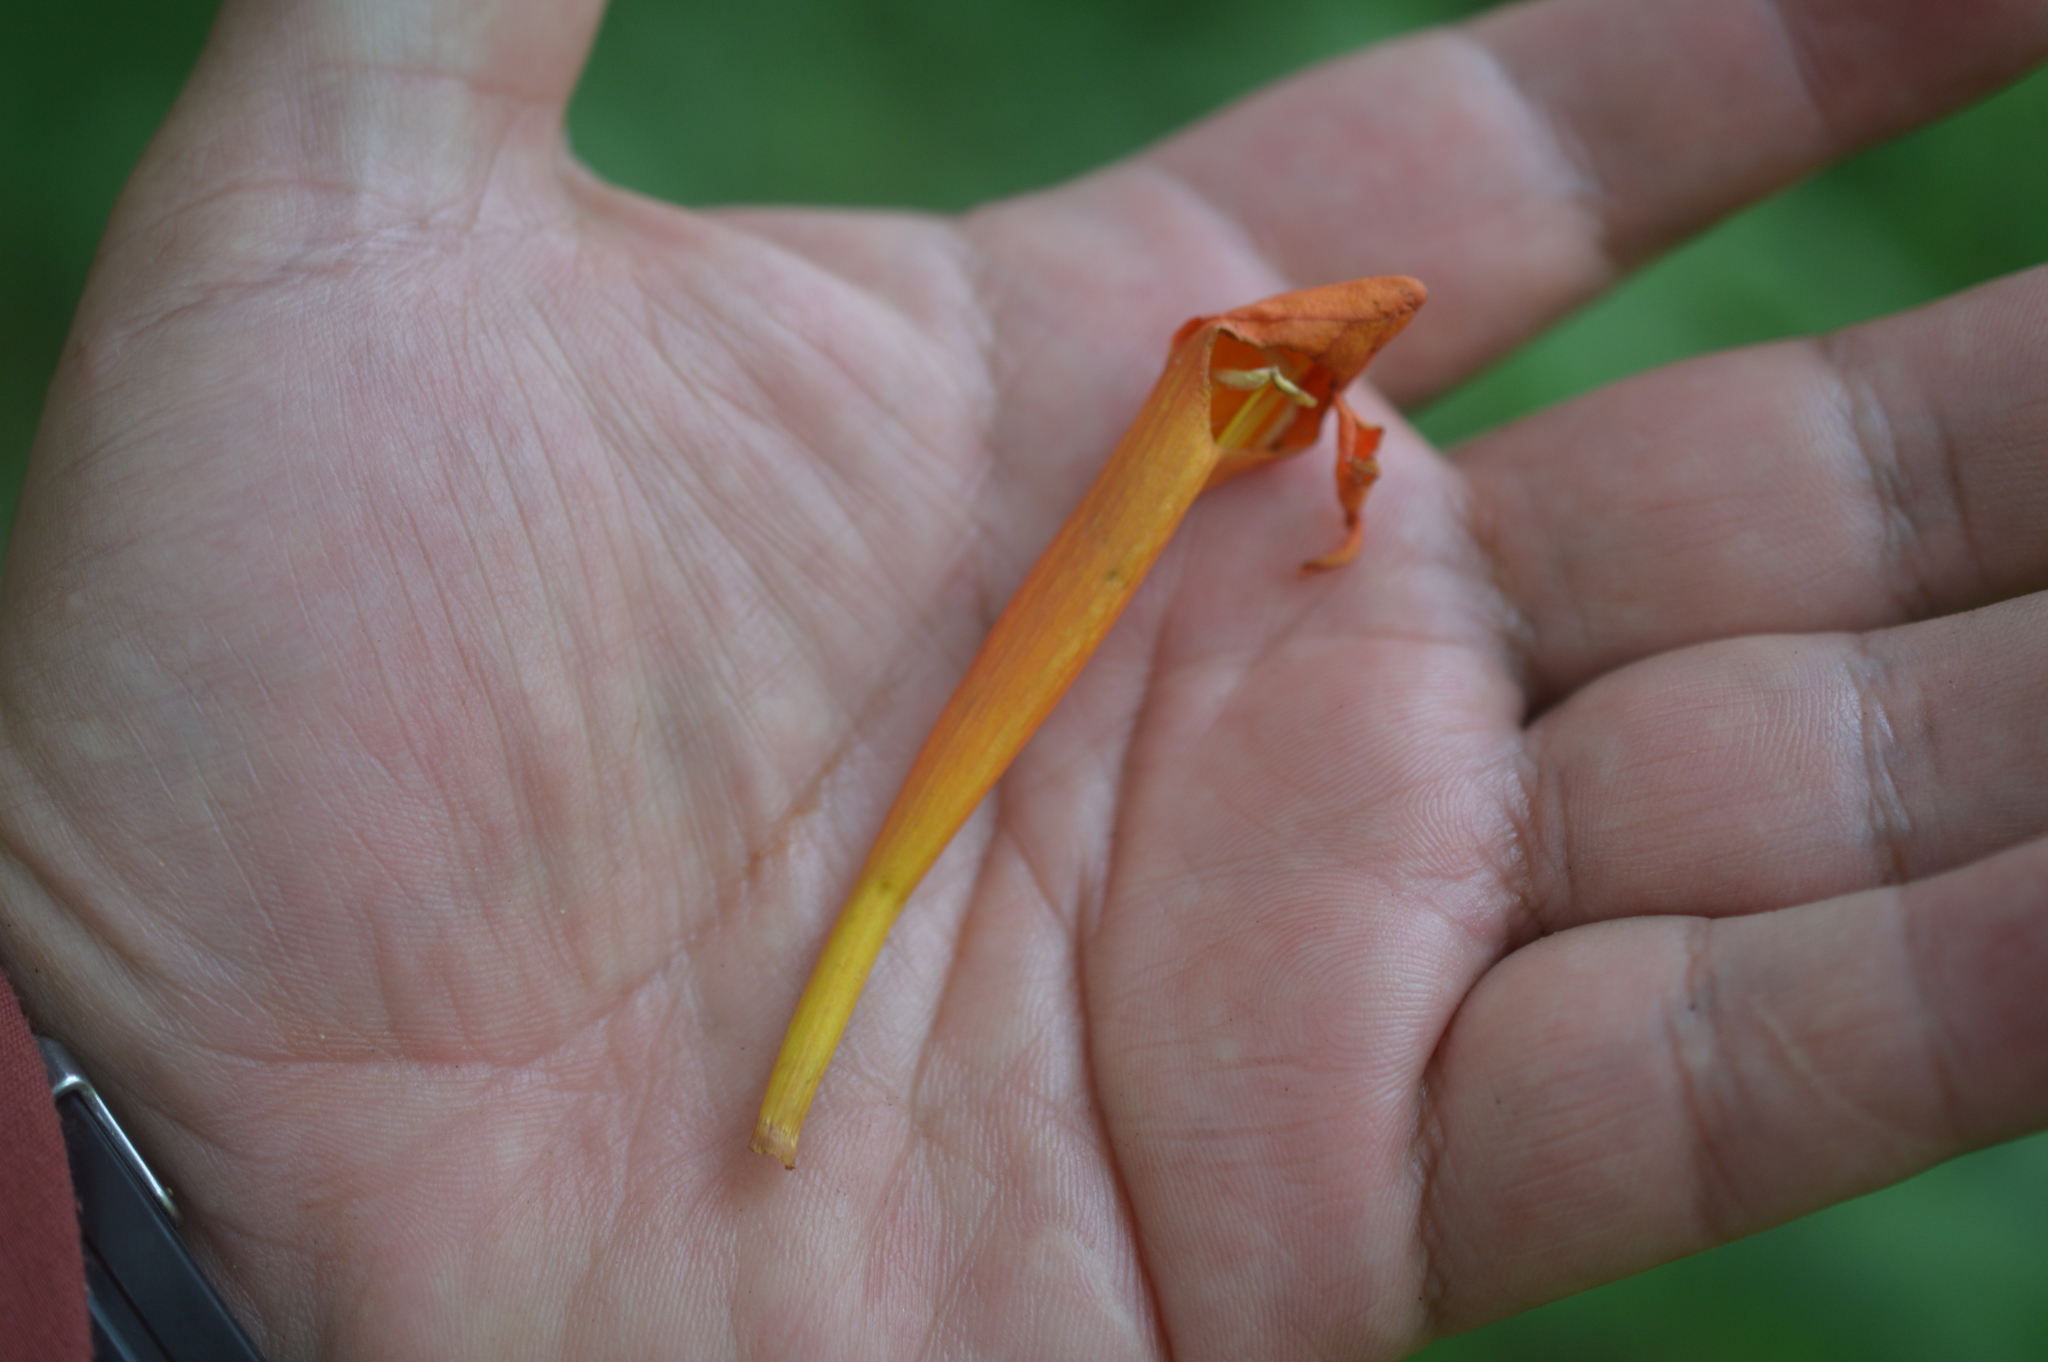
[{"x": 42, "y": 1275}]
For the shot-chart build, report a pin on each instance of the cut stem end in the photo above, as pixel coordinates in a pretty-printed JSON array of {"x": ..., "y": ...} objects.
[{"x": 777, "y": 1143}]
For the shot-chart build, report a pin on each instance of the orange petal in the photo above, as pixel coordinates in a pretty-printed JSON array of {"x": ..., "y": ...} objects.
[
  {"x": 1357, "y": 470},
  {"x": 1341, "y": 326},
  {"x": 1067, "y": 604},
  {"x": 1038, "y": 645}
]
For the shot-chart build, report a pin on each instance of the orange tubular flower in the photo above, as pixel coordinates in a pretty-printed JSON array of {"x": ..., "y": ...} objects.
[{"x": 1240, "y": 390}]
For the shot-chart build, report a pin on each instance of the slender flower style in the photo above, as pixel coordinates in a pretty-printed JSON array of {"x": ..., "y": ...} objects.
[{"x": 1240, "y": 390}]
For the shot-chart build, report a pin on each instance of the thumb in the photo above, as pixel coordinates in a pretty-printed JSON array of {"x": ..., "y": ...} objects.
[{"x": 312, "y": 120}]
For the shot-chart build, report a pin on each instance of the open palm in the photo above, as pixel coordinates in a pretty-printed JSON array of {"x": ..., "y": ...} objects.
[{"x": 467, "y": 622}]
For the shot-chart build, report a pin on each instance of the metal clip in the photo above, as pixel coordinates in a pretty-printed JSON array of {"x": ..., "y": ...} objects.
[{"x": 66, "y": 1080}]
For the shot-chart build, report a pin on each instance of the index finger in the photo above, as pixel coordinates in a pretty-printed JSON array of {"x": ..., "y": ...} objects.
[{"x": 1518, "y": 164}]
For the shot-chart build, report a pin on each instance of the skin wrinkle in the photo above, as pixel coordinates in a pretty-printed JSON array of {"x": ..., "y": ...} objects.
[
  {"x": 1063, "y": 923},
  {"x": 873, "y": 390},
  {"x": 1800, "y": 60},
  {"x": 1126, "y": 1213},
  {"x": 1721, "y": 1202},
  {"x": 540, "y": 102},
  {"x": 959, "y": 1283},
  {"x": 307, "y": 256},
  {"x": 1479, "y": 523},
  {"x": 606, "y": 1234},
  {"x": 1002, "y": 357},
  {"x": 922, "y": 1067},
  {"x": 465, "y": 197},
  {"x": 820, "y": 469},
  {"x": 105, "y": 947},
  {"x": 1048, "y": 900},
  {"x": 1547, "y": 848},
  {"x": 1793, "y": 1059},
  {"x": 803, "y": 803},
  {"x": 1865, "y": 426},
  {"x": 138, "y": 319},
  {"x": 261, "y": 904},
  {"x": 913, "y": 1178},
  {"x": 986, "y": 494},
  {"x": 962, "y": 285},
  {"x": 899, "y": 1190},
  {"x": 1515, "y": 868},
  {"x": 973, "y": 271},
  {"x": 1141, "y": 1249},
  {"x": 804, "y": 799},
  {"x": 1870, "y": 677},
  {"x": 1951, "y": 466},
  {"x": 1694, "y": 1034},
  {"x": 1228, "y": 231},
  {"x": 523, "y": 773},
  {"x": 216, "y": 830},
  {"x": 516, "y": 730},
  {"x": 146, "y": 953},
  {"x": 1558, "y": 147},
  {"x": 1914, "y": 925},
  {"x": 1429, "y": 1145},
  {"x": 448, "y": 621},
  {"x": 1511, "y": 881},
  {"x": 767, "y": 855}
]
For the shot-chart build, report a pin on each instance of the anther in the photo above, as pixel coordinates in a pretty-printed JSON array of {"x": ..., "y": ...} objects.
[{"x": 1250, "y": 380}]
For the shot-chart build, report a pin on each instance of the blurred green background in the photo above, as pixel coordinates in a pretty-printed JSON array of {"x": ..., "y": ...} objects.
[{"x": 941, "y": 103}]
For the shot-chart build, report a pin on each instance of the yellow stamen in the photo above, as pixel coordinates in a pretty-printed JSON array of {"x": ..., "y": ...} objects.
[{"x": 1248, "y": 380}]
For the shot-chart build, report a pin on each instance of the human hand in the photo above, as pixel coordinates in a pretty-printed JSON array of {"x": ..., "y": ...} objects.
[{"x": 466, "y": 623}]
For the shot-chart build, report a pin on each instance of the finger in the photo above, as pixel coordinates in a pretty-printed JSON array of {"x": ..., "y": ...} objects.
[
  {"x": 1517, "y": 164},
  {"x": 1743, "y": 776},
  {"x": 1892, "y": 472},
  {"x": 325, "y": 109},
  {"x": 1621, "y": 1095}
]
